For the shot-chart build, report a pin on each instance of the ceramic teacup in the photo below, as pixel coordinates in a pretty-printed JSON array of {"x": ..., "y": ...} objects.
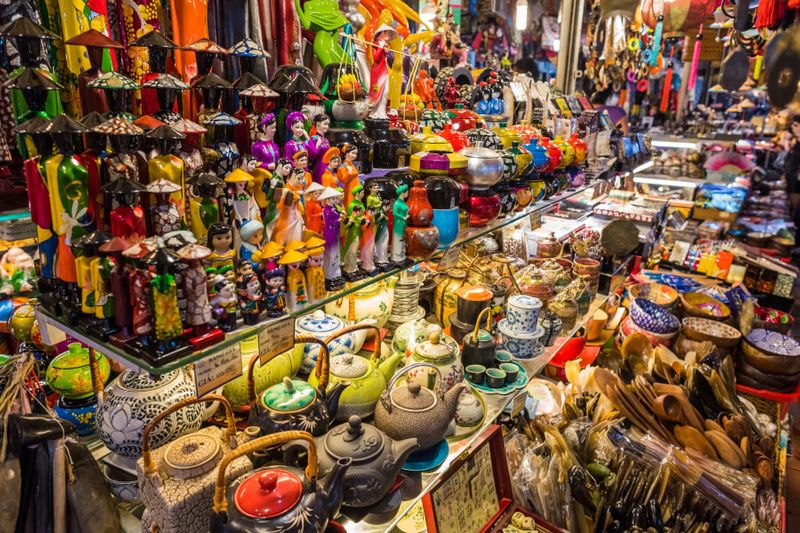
[
  {"x": 502, "y": 356},
  {"x": 511, "y": 371},
  {"x": 522, "y": 313},
  {"x": 476, "y": 373},
  {"x": 495, "y": 377}
]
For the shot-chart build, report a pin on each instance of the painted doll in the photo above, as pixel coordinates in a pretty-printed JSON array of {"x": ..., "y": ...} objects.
[
  {"x": 289, "y": 226},
  {"x": 244, "y": 207},
  {"x": 300, "y": 159},
  {"x": 220, "y": 241},
  {"x": 332, "y": 160},
  {"x": 164, "y": 215},
  {"x": 367, "y": 253},
  {"x": 249, "y": 292},
  {"x": 399, "y": 216},
  {"x": 166, "y": 164},
  {"x": 331, "y": 217},
  {"x": 296, "y": 289},
  {"x": 195, "y": 287},
  {"x": 378, "y": 96},
  {"x": 275, "y": 292},
  {"x": 295, "y": 123},
  {"x": 141, "y": 319},
  {"x": 224, "y": 302},
  {"x": 348, "y": 171},
  {"x": 381, "y": 222},
  {"x": 313, "y": 209},
  {"x": 163, "y": 290},
  {"x": 315, "y": 276},
  {"x": 317, "y": 145},
  {"x": 352, "y": 239},
  {"x": 265, "y": 149},
  {"x": 252, "y": 234},
  {"x": 204, "y": 204},
  {"x": 273, "y": 192},
  {"x": 127, "y": 219}
]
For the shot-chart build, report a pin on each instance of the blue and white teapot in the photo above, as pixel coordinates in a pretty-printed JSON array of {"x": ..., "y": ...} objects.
[{"x": 321, "y": 326}]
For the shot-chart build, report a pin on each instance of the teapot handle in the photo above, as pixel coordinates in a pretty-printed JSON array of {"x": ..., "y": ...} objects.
[
  {"x": 312, "y": 468},
  {"x": 376, "y": 352},
  {"x": 488, "y": 312},
  {"x": 150, "y": 468},
  {"x": 322, "y": 361},
  {"x": 512, "y": 278},
  {"x": 385, "y": 395},
  {"x": 97, "y": 379}
]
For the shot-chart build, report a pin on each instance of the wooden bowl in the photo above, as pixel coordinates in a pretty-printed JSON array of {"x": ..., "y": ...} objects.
[
  {"x": 771, "y": 352},
  {"x": 703, "y": 329},
  {"x": 703, "y": 306},
  {"x": 774, "y": 319}
]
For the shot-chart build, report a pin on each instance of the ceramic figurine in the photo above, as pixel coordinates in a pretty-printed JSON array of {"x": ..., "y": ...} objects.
[
  {"x": 317, "y": 145},
  {"x": 348, "y": 171},
  {"x": 300, "y": 159},
  {"x": 224, "y": 303},
  {"x": 352, "y": 240},
  {"x": 275, "y": 291},
  {"x": 164, "y": 298},
  {"x": 381, "y": 222},
  {"x": 367, "y": 252},
  {"x": 332, "y": 160},
  {"x": 313, "y": 208},
  {"x": 289, "y": 226},
  {"x": 331, "y": 233},
  {"x": 249, "y": 164},
  {"x": 249, "y": 292},
  {"x": 399, "y": 216},
  {"x": 139, "y": 285},
  {"x": 244, "y": 207},
  {"x": 164, "y": 215},
  {"x": 127, "y": 219},
  {"x": 315, "y": 276},
  {"x": 266, "y": 258},
  {"x": 295, "y": 124},
  {"x": 296, "y": 287},
  {"x": 252, "y": 234},
  {"x": 265, "y": 149},
  {"x": 204, "y": 204},
  {"x": 378, "y": 95},
  {"x": 166, "y": 164},
  {"x": 273, "y": 192},
  {"x": 220, "y": 241},
  {"x": 195, "y": 288}
]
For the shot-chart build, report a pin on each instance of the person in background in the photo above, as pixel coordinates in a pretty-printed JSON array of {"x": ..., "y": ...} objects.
[
  {"x": 788, "y": 162},
  {"x": 609, "y": 101}
]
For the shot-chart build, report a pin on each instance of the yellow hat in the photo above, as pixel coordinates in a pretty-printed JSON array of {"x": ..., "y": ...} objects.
[
  {"x": 238, "y": 176},
  {"x": 271, "y": 249},
  {"x": 292, "y": 256},
  {"x": 294, "y": 245},
  {"x": 314, "y": 242},
  {"x": 319, "y": 250}
]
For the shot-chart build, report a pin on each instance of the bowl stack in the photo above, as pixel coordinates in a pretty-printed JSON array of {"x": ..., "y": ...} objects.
[
  {"x": 588, "y": 270},
  {"x": 653, "y": 321},
  {"x": 696, "y": 330},
  {"x": 769, "y": 360}
]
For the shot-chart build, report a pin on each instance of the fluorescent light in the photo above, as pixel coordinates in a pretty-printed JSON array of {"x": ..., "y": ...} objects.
[
  {"x": 674, "y": 144},
  {"x": 521, "y": 19},
  {"x": 664, "y": 181},
  {"x": 643, "y": 166}
]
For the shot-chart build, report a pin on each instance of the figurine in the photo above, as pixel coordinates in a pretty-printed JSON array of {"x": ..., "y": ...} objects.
[
  {"x": 332, "y": 160},
  {"x": 367, "y": 253},
  {"x": 220, "y": 241},
  {"x": 17, "y": 270},
  {"x": 331, "y": 233},
  {"x": 324, "y": 19},
  {"x": 204, "y": 205},
  {"x": 195, "y": 288},
  {"x": 127, "y": 219},
  {"x": 352, "y": 239},
  {"x": 244, "y": 207},
  {"x": 300, "y": 159},
  {"x": 120, "y": 287},
  {"x": 273, "y": 192},
  {"x": 296, "y": 291},
  {"x": 249, "y": 164},
  {"x": 313, "y": 209},
  {"x": 289, "y": 226},
  {"x": 265, "y": 149},
  {"x": 315, "y": 276},
  {"x": 164, "y": 299},
  {"x": 381, "y": 222},
  {"x": 295, "y": 123},
  {"x": 166, "y": 164},
  {"x": 348, "y": 171},
  {"x": 224, "y": 302},
  {"x": 266, "y": 258},
  {"x": 275, "y": 291},
  {"x": 399, "y": 216},
  {"x": 317, "y": 145},
  {"x": 249, "y": 290},
  {"x": 252, "y": 234},
  {"x": 378, "y": 96},
  {"x": 164, "y": 216}
]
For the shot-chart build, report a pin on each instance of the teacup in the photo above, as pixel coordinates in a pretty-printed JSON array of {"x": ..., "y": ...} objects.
[
  {"x": 501, "y": 357},
  {"x": 522, "y": 313},
  {"x": 495, "y": 378},
  {"x": 511, "y": 371},
  {"x": 476, "y": 374}
]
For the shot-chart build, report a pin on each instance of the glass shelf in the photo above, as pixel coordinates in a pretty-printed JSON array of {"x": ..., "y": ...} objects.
[{"x": 246, "y": 332}]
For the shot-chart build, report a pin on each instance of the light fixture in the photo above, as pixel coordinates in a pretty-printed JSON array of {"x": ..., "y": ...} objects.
[
  {"x": 643, "y": 166},
  {"x": 428, "y": 13},
  {"x": 665, "y": 182},
  {"x": 674, "y": 144},
  {"x": 556, "y": 45},
  {"x": 522, "y": 15}
]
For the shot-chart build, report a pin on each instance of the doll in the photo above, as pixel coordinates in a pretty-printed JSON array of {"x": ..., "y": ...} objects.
[
  {"x": 333, "y": 161},
  {"x": 265, "y": 149},
  {"x": 224, "y": 302},
  {"x": 313, "y": 209},
  {"x": 220, "y": 241},
  {"x": 348, "y": 171},
  {"x": 244, "y": 207},
  {"x": 127, "y": 219},
  {"x": 379, "y": 73},
  {"x": 331, "y": 217},
  {"x": 381, "y": 222},
  {"x": 164, "y": 215},
  {"x": 204, "y": 204},
  {"x": 165, "y": 164},
  {"x": 315, "y": 276},
  {"x": 367, "y": 253},
  {"x": 249, "y": 292},
  {"x": 317, "y": 145},
  {"x": 273, "y": 192},
  {"x": 296, "y": 291},
  {"x": 140, "y": 296},
  {"x": 289, "y": 226},
  {"x": 399, "y": 216},
  {"x": 295, "y": 123},
  {"x": 249, "y": 164},
  {"x": 352, "y": 240},
  {"x": 164, "y": 301},
  {"x": 252, "y": 234},
  {"x": 275, "y": 291},
  {"x": 300, "y": 159},
  {"x": 195, "y": 287}
]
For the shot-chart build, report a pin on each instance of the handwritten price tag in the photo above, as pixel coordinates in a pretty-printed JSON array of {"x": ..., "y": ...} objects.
[
  {"x": 217, "y": 370},
  {"x": 518, "y": 404},
  {"x": 275, "y": 339}
]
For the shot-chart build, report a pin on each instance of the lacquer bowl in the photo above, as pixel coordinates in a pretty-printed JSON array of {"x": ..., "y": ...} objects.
[
  {"x": 628, "y": 327},
  {"x": 704, "y": 329},
  {"x": 772, "y": 352},
  {"x": 658, "y": 293},
  {"x": 652, "y": 317},
  {"x": 774, "y": 319},
  {"x": 704, "y": 306}
]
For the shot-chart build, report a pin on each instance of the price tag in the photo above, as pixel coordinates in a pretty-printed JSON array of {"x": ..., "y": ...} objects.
[
  {"x": 217, "y": 370},
  {"x": 518, "y": 404},
  {"x": 51, "y": 335},
  {"x": 535, "y": 219},
  {"x": 275, "y": 339},
  {"x": 449, "y": 259}
]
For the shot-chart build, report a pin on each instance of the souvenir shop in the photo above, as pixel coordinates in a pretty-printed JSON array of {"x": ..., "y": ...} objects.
[{"x": 380, "y": 265}]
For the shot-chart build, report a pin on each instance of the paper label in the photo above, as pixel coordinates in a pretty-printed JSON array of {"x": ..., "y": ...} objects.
[
  {"x": 449, "y": 259},
  {"x": 535, "y": 220},
  {"x": 218, "y": 369},
  {"x": 276, "y": 338},
  {"x": 518, "y": 404}
]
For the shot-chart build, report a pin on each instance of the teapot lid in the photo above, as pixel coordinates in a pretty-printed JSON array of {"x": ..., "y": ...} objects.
[
  {"x": 413, "y": 397},
  {"x": 319, "y": 322},
  {"x": 291, "y": 395},
  {"x": 268, "y": 493},
  {"x": 349, "y": 366},
  {"x": 191, "y": 455},
  {"x": 434, "y": 347},
  {"x": 354, "y": 439}
]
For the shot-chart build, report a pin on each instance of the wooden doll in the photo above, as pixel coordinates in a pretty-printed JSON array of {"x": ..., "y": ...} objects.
[
  {"x": 296, "y": 288},
  {"x": 399, "y": 216},
  {"x": 164, "y": 215},
  {"x": 289, "y": 226}
]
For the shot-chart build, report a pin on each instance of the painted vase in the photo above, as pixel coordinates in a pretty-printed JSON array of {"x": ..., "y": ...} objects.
[
  {"x": 540, "y": 157},
  {"x": 70, "y": 376},
  {"x": 581, "y": 149},
  {"x": 554, "y": 154},
  {"x": 568, "y": 153},
  {"x": 373, "y": 301},
  {"x": 444, "y": 195},
  {"x": 422, "y": 238}
]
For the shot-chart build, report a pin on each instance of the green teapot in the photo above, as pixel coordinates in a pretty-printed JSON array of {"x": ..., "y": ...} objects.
[
  {"x": 367, "y": 377},
  {"x": 286, "y": 364}
]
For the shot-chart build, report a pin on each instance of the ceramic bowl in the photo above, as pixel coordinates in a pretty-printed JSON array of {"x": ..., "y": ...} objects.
[
  {"x": 628, "y": 326},
  {"x": 122, "y": 484},
  {"x": 772, "y": 364},
  {"x": 658, "y": 293},
  {"x": 774, "y": 319},
  {"x": 522, "y": 313},
  {"x": 586, "y": 266},
  {"x": 704, "y": 329},
  {"x": 774, "y": 343},
  {"x": 704, "y": 306},
  {"x": 652, "y": 317},
  {"x": 521, "y": 345},
  {"x": 574, "y": 348}
]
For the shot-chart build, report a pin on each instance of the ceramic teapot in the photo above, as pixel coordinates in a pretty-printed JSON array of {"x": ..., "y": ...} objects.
[
  {"x": 295, "y": 404},
  {"x": 321, "y": 325},
  {"x": 367, "y": 377},
  {"x": 441, "y": 351},
  {"x": 412, "y": 411},
  {"x": 480, "y": 346},
  {"x": 377, "y": 459},
  {"x": 176, "y": 481},
  {"x": 373, "y": 301},
  {"x": 132, "y": 400},
  {"x": 277, "y": 498}
]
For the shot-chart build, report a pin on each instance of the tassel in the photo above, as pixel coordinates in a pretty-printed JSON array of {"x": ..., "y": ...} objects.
[
  {"x": 695, "y": 59},
  {"x": 769, "y": 13},
  {"x": 757, "y": 68},
  {"x": 656, "y": 41},
  {"x": 667, "y": 88}
]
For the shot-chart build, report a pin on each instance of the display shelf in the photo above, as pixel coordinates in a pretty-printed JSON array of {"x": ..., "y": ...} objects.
[{"x": 246, "y": 332}]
